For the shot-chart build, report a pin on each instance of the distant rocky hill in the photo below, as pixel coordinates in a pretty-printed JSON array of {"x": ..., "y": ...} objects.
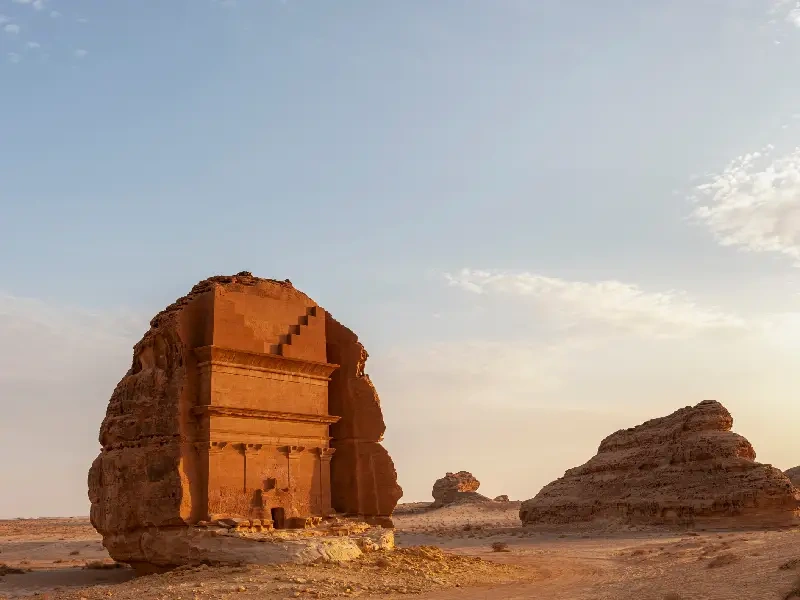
[
  {"x": 794, "y": 475},
  {"x": 684, "y": 469}
]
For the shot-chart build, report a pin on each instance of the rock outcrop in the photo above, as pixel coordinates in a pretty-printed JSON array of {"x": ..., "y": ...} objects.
[
  {"x": 453, "y": 487},
  {"x": 794, "y": 475},
  {"x": 501, "y": 498},
  {"x": 684, "y": 469},
  {"x": 245, "y": 399}
]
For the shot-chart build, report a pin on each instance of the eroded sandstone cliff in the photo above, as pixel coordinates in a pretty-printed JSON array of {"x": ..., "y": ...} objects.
[{"x": 687, "y": 468}]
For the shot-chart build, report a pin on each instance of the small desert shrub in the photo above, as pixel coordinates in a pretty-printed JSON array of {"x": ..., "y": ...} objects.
[
  {"x": 790, "y": 564},
  {"x": 6, "y": 570},
  {"x": 723, "y": 560},
  {"x": 99, "y": 564},
  {"x": 500, "y": 547}
]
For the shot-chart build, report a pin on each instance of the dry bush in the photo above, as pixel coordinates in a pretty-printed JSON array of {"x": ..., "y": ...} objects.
[
  {"x": 500, "y": 547},
  {"x": 790, "y": 564},
  {"x": 723, "y": 560},
  {"x": 101, "y": 565},
  {"x": 6, "y": 570}
]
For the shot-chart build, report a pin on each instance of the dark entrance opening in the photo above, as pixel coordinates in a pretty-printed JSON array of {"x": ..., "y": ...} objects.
[{"x": 278, "y": 518}]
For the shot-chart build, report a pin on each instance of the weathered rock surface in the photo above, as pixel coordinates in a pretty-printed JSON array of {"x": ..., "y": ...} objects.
[
  {"x": 160, "y": 549},
  {"x": 794, "y": 475},
  {"x": 454, "y": 486},
  {"x": 244, "y": 398},
  {"x": 684, "y": 469},
  {"x": 501, "y": 498}
]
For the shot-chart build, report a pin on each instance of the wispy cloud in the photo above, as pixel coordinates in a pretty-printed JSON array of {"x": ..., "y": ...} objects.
[
  {"x": 36, "y": 4},
  {"x": 21, "y": 23},
  {"x": 754, "y": 203},
  {"x": 787, "y": 11},
  {"x": 620, "y": 306}
]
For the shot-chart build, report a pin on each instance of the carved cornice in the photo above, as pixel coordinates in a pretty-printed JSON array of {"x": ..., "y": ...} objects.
[
  {"x": 271, "y": 363},
  {"x": 264, "y": 415}
]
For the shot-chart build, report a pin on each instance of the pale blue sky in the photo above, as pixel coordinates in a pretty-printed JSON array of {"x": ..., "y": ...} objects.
[{"x": 368, "y": 149}]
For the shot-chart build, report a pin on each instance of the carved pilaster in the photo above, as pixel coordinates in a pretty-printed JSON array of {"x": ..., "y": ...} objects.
[
  {"x": 325, "y": 455},
  {"x": 293, "y": 454}
]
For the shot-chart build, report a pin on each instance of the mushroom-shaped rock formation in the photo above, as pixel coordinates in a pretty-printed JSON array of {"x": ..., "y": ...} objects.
[
  {"x": 246, "y": 403},
  {"x": 454, "y": 487},
  {"x": 684, "y": 469}
]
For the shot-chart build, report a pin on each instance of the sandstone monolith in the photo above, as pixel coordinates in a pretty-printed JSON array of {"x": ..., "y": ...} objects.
[
  {"x": 246, "y": 406},
  {"x": 685, "y": 469},
  {"x": 453, "y": 487}
]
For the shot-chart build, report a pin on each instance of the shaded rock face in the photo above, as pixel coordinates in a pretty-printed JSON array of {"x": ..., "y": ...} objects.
[
  {"x": 453, "y": 487},
  {"x": 244, "y": 399},
  {"x": 684, "y": 469},
  {"x": 794, "y": 475}
]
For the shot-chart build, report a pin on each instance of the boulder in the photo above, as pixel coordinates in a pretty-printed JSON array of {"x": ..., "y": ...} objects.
[
  {"x": 684, "y": 469},
  {"x": 453, "y": 486},
  {"x": 501, "y": 498}
]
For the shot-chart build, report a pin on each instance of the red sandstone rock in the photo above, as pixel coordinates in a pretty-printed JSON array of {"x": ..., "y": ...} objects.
[
  {"x": 684, "y": 469},
  {"x": 449, "y": 488},
  {"x": 245, "y": 400}
]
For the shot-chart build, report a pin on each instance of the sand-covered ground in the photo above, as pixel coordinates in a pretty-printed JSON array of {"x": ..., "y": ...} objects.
[{"x": 442, "y": 554}]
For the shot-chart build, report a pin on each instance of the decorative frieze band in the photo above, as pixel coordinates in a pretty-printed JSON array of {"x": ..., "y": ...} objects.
[
  {"x": 216, "y": 356},
  {"x": 264, "y": 415},
  {"x": 290, "y": 451}
]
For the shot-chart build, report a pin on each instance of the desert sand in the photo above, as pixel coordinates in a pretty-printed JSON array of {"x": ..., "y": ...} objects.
[{"x": 443, "y": 553}]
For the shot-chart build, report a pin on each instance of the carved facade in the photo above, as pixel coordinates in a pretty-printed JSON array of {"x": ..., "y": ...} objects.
[{"x": 245, "y": 399}]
